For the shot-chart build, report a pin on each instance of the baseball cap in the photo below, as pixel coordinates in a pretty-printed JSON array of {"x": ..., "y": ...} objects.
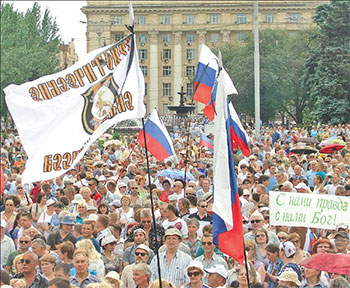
[
  {"x": 121, "y": 185},
  {"x": 342, "y": 226},
  {"x": 246, "y": 192},
  {"x": 92, "y": 208},
  {"x": 301, "y": 185},
  {"x": 144, "y": 247},
  {"x": 139, "y": 230},
  {"x": 218, "y": 269},
  {"x": 341, "y": 234},
  {"x": 196, "y": 264},
  {"x": 288, "y": 248}
]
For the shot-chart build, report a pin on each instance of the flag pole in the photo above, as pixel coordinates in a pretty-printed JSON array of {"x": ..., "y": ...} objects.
[
  {"x": 246, "y": 264},
  {"x": 152, "y": 206},
  {"x": 125, "y": 161},
  {"x": 187, "y": 146}
]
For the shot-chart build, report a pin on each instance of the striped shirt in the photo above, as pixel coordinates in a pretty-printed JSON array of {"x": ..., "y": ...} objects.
[{"x": 175, "y": 272}]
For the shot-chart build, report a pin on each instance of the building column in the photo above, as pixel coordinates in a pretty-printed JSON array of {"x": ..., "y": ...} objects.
[
  {"x": 226, "y": 35},
  {"x": 177, "y": 71},
  {"x": 153, "y": 91}
]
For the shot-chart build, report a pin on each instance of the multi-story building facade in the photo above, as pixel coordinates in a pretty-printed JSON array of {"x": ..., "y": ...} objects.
[
  {"x": 67, "y": 55},
  {"x": 169, "y": 34}
]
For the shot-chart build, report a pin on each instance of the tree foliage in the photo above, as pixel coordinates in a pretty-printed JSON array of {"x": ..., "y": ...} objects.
[
  {"x": 327, "y": 74},
  {"x": 282, "y": 57},
  {"x": 29, "y": 45}
]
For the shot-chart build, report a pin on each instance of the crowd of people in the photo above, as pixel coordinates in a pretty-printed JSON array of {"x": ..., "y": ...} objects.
[{"x": 94, "y": 226}]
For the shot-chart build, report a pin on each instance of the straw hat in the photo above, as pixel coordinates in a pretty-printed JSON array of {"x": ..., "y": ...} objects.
[
  {"x": 289, "y": 276},
  {"x": 115, "y": 276}
]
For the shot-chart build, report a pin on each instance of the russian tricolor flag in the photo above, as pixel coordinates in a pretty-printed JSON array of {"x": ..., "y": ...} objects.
[
  {"x": 205, "y": 85},
  {"x": 207, "y": 70},
  {"x": 227, "y": 217},
  {"x": 205, "y": 141},
  {"x": 237, "y": 132},
  {"x": 310, "y": 240},
  {"x": 159, "y": 143}
]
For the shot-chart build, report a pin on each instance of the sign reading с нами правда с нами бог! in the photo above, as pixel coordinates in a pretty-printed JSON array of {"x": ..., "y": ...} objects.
[{"x": 308, "y": 210}]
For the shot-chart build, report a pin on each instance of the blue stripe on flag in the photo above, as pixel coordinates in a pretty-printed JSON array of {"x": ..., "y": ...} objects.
[
  {"x": 152, "y": 129},
  {"x": 209, "y": 75}
]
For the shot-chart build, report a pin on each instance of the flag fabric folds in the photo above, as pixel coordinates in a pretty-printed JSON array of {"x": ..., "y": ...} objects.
[
  {"x": 205, "y": 141},
  {"x": 158, "y": 140},
  {"x": 237, "y": 132},
  {"x": 227, "y": 218},
  {"x": 205, "y": 85},
  {"x": 310, "y": 240},
  {"x": 59, "y": 116}
]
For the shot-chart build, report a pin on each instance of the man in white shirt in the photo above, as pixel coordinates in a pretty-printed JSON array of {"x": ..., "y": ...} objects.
[
  {"x": 174, "y": 221},
  {"x": 330, "y": 188},
  {"x": 7, "y": 245}
]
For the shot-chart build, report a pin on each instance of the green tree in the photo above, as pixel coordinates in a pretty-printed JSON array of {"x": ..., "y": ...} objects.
[
  {"x": 327, "y": 73},
  {"x": 282, "y": 56},
  {"x": 29, "y": 46}
]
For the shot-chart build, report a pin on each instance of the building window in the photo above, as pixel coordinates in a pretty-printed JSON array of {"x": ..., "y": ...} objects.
[
  {"x": 166, "y": 70},
  {"x": 190, "y": 38},
  {"x": 214, "y": 19},
  {"x": 190, "y": 54},
  {"x": 143, "y": 38},
  {"x": 166, "y": 89},
  {"x": 166, "y": 54},
  {"x": 268, "y": 18},
  {"x": 144, "y": 70},
  {"x": 241, "y": 19},
  {"x": 118, "y": 20},
  {"x": 166, "y": 37},
  {"x": 214, "y": 37},
  {"x": 146, "y": 88},
  {"x": 189, "y": 19},
  {"x": 165, "y": 109},
  {"x": 165, "y": 19},
  {"x": 241, "y": 36},
  {"x": 293, "y": 18},
  {"x": 189, "y": 71},
  {"x": 141, "y": 20},
  {"x": 118, "y": 37},
  {"x": 189, "y": 89},
  {"x": 143, "y": 54}
]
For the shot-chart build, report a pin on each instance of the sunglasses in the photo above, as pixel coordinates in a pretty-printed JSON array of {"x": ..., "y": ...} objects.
[
  {"x": 282, "y": 238},
  {"x": 133, "y": 187},
  {"x": 24, "y": 241},
  {"x": 20, "y": 188},
  {"x": 207, "y": 243},
  {"x": 196, "y": 273},
  {"x": 27, "y": 261},
  {"x": 113, "y": 243},
  {"x": 91, "y": 184},
  {"x": 203, "y": 206},
  {"x": 140, "y": 254},
  {"x": 146, "y": 221},
  {"x": 260, "y": 235},
  {"x": 255, "y": 221}
]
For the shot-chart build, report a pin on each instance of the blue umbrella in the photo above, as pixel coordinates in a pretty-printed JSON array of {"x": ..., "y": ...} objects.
[{"x": 176, "y": 174}]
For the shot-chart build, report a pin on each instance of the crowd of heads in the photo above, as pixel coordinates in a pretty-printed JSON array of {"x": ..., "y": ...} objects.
[{"x": 98, "y": 222}]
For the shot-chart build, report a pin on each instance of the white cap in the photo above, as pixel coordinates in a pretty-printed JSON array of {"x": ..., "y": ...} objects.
[
  {"x": 301, "y": 185},
  {"x": 172, "y": 197},
  {"x": 115, "y": 276},
  {"x": 50, "y": 202},
  {"x": 218, "y": 269},
  {"x": 196, "y": 264},
  {"x": 92, "y": 217}
]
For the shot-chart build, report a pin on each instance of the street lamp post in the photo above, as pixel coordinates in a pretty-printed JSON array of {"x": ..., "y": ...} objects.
[
  {"x": 99, "y": 28},
  {"x": 256, "y": 69}
]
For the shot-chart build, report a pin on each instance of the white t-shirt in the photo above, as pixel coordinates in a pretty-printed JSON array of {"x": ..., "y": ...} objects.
[{"x": 178, "y": 223}]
